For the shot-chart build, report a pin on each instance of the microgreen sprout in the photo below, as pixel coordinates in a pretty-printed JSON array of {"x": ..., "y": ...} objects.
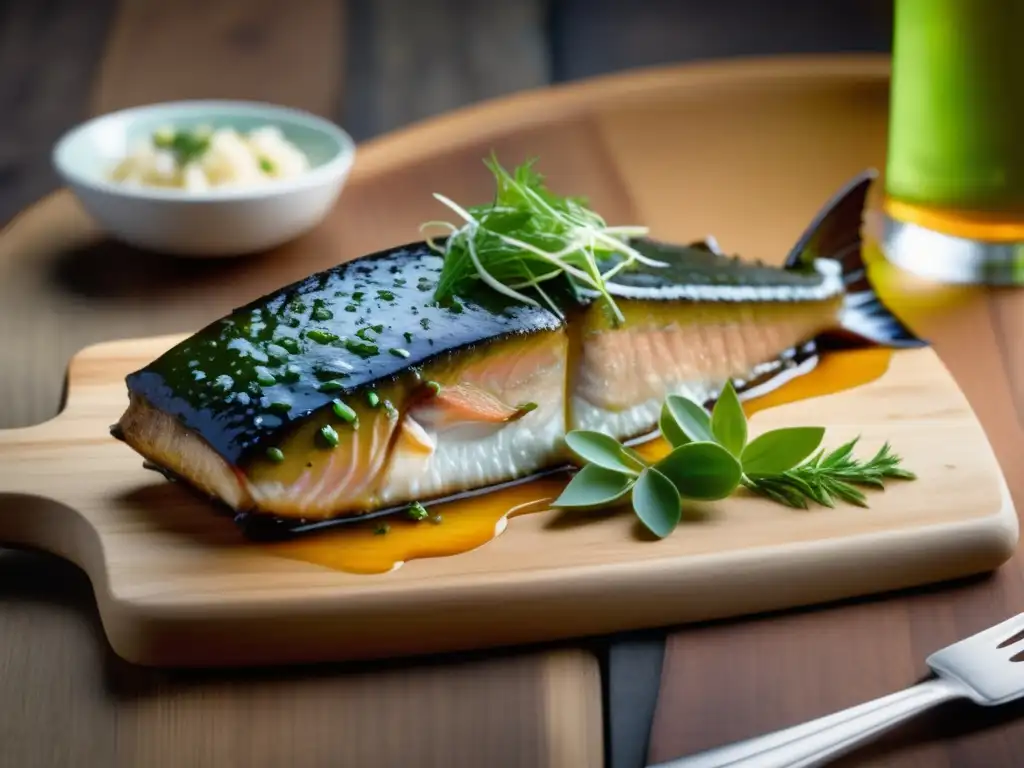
[{"x": 527, "y": 237}]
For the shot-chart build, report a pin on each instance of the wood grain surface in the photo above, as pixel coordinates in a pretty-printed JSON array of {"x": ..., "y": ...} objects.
[{"x": 178, "y": 585}]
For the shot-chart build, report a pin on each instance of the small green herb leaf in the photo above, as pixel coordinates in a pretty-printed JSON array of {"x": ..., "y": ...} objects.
[
  {"x": 781, "y": 449},
  {"x": 329, "y": 435},
  {"x": 703, "y": 471},
  {"x": 600, "y": 449},
  {"x": 344, "y": 411},
  {"x": 728, "y": 422},
  {"x": 594, "y": 486},
  {"x": 684, "y": 421},
  {"x": 839, "y": 455},
  {"x": 656, "y": 502}
]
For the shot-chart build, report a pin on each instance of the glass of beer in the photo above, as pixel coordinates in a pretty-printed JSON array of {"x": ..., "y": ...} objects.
[{"x": 954, "y": 179}]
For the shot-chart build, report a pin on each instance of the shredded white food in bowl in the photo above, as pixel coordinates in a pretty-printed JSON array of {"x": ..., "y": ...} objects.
[{"x": 202, "y": 158}]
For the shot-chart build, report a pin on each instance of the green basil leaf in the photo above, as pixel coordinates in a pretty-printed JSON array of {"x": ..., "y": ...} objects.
[
  {"x": 634, "y": 458},
  {"x": 594, "y": 486},
  {"x": 684, "y": 421},
  {"x": 704, "y": 471},
  {"x": 780, "y": 450},
  {"x": 729, "y": 422},
  {"x": 600, "y": 449},
  {"x": 656, "y": 502}
]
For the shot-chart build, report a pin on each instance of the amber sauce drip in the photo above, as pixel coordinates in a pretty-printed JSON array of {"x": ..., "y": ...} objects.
[{"x": 472, "y": 522}]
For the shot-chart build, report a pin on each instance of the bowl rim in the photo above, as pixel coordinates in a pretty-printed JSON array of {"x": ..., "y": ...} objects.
[{"x": 337, "y": 166}]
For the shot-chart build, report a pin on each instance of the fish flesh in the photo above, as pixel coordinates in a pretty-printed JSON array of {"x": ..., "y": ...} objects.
[{"x": 353, "y": 391}]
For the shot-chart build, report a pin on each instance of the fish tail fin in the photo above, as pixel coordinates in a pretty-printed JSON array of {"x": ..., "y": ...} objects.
[{"x": 834, "y": 236}]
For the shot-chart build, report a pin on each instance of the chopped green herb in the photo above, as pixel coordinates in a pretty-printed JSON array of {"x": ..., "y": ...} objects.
[
  {"x": 399, "y": 352},
  {"x": 351, "y": 307},
  {"x": 279, "y": 406},
  {"x": 527, "y": 407},
  {"x": 358, "y": 296},
  {"x": 343, "y": 411},
  {"x": 276, "y": 455},
  {"x": 408, "y": 337},
  {"x": 266, "y": 166},
  {"x": 385, "y": 295},
  {"x": 289, "y": 344},
  {"x": 455, "y": 307},
  {"x": 399, "y": 282},
  {"x": 186, "y": 146},
  {"x": 361, "y": 333},
  {"x": 331, "y": 386},
  {"x": 360, "y": 348},
  {"x": 425, "y": 323},
  {"x": 417, "y": 511},
  {"x": 373, "y": 399},
  {"x": 336, "y": 370},
  {"x": 321, "y": 336},
  {"x": 292, "y": 373},
  {"x": 329, "y": 435},
  {"x": 265, "y": 378},
  {"x": 277, "y": 353},
  {"x": 162, "y": 137},
  {"x": 321, "y": 314},
  {"x": 381, "y": 529},
  {"x": 377, "y": 328}
]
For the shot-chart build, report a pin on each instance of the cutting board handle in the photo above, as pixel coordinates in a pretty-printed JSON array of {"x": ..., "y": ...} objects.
[
  {"x": 45, "y": 524},
  {"x": 36, "y": 471}
]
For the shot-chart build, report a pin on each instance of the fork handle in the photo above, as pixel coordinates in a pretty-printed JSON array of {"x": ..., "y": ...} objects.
[{"x": 819, "y": 741}]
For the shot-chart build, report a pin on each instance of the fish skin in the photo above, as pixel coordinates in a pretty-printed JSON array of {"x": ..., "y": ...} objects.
[
  {"x": 238, "y": 419},
  {"x": 180, "y": 415}
]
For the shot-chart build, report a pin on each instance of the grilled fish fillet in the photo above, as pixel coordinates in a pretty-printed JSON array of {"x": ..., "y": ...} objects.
[{"x": 351, "y": 391}]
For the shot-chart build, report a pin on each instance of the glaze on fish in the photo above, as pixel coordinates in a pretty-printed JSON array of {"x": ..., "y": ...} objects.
[{"x": 351, "y": 391}]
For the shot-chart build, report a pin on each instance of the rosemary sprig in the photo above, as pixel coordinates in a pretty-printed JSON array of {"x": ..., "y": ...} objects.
[{"x": 825, "y": 478}]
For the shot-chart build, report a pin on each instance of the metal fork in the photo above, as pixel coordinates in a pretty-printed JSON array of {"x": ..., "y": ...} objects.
[{"x": 982, "y": 668}]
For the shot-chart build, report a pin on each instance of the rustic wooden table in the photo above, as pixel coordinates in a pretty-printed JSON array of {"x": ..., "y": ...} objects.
[{"x": 746, "y": 151}]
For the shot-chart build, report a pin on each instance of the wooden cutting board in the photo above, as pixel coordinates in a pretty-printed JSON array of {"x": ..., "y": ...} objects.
[{"x": 178, "y": 585}]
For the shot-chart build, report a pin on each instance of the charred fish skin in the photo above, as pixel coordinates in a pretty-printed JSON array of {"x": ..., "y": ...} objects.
[{"x": 244, "y": 379}]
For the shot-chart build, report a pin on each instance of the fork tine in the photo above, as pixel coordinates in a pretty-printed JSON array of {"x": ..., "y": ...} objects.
[{"x": 1002, "y": 634}]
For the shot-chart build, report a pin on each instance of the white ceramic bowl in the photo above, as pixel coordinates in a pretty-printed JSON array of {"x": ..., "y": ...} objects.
[{"x": 216, "y": 222}]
